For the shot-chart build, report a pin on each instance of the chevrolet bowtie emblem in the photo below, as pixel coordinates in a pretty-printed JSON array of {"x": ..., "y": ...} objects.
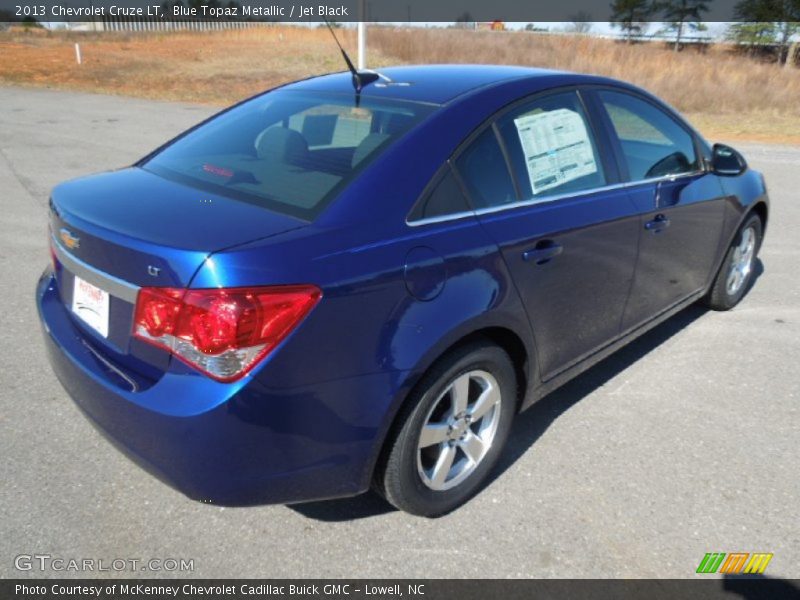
[{"x": 69, "y": 240}]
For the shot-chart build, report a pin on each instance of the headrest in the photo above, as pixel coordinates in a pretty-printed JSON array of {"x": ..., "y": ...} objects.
[
  {"x": 281, "y": 144},
  {"x": 367, "y": 146}
]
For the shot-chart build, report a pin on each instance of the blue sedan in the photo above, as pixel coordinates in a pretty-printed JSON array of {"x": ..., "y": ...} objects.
[{"x": 322, "y": 290}]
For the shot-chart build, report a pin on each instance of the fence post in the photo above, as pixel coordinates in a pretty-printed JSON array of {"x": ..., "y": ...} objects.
[
  {"x": 78, "y": 53},
  {"x": 362, "y": 35}
]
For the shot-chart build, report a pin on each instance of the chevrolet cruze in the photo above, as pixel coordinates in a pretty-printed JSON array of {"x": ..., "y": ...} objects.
[{"x": 324, "y": 289}]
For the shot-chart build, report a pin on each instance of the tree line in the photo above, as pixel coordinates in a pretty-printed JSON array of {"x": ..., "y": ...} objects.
[{"x": 759, "y": 22}]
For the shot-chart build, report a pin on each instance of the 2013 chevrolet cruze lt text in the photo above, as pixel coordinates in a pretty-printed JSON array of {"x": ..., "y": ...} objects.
[{"x": 323, "y": 289}]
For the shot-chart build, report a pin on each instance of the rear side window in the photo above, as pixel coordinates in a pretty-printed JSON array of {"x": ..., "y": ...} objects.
[
  {"x": 551, "y": 147},
  {"x": 291, "y": 152},
  {"x": 484, "y": 171},
  {"x": 653, "y": 143},
  {"x": 446, "y": 198}
]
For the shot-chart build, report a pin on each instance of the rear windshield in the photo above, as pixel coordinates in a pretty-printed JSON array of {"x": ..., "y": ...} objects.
[{"x": 291, "y": 152}]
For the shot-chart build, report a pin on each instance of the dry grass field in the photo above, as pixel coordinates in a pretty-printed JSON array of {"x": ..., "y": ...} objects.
[
  {"x": 207, "y": 67},
  {"x": 726, "y": 95},
  {"x": 722, "y": 93}
]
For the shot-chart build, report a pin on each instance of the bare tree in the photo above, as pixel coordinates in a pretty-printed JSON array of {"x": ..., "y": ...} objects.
[{"x": 580, "y": 22}]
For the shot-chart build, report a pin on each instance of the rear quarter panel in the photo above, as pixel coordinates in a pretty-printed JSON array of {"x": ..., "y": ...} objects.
[{"x": 368, "y": 322}]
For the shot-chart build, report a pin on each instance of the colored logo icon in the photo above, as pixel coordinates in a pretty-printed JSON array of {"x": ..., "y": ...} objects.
[{"x": 734, "y": 563}]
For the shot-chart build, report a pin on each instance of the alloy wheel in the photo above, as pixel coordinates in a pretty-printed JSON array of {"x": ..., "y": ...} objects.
[
  {"x": 459, "y": 430},
  {"x": 742, "y": 262}
]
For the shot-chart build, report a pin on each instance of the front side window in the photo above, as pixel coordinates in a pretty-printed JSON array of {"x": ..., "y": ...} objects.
[
  {"x": 653, "y": 144},
  {"x": 551, "y": 147},
  {"x": 288, "y": 151}
]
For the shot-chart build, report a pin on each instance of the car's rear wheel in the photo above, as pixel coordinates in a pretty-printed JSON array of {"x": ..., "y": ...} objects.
[
  {"x": 736, "y": 273},
  {"x": 451, "y": 431}
]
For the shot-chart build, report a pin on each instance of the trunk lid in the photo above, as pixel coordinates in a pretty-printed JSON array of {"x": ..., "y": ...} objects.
[
  {"x": 126, "y": 221},
  {"x": 128, "y": 229}
]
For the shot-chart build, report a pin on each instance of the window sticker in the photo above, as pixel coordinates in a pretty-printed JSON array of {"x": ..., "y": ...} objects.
[{"x": 556, "y": 146}]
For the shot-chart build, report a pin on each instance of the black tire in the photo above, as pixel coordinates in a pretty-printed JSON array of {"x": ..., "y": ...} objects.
[
  {"x": 400, "y": 473},
  {"x": 720, "y": 296}
]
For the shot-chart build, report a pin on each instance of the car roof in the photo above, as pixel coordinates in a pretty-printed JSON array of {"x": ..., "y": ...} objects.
[{"x": 435, "y": 84}]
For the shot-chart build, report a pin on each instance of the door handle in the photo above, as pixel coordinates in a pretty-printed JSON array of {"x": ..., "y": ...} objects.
[
  {"x": 543, "y": 252},
  {"x": 658, "y": 224}
]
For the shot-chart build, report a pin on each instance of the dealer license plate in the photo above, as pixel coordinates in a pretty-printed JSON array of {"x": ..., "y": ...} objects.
[{"x": 90, "y": 303}]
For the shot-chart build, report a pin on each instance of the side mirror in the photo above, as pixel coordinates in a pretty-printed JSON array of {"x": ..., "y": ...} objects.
[{"x": 727, "y": 161}]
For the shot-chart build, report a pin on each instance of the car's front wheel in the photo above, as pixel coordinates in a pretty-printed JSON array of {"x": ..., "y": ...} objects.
[
  {"x": 736, "y": 273},
  {"x": 451, "y": 431}
]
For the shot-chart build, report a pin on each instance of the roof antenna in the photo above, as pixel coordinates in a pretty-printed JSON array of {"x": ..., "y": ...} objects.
[{"x": 361, "y": 79}]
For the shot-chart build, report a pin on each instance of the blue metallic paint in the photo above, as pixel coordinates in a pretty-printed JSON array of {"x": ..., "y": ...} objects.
[
  {"x": 309, "y": 422},
  {"x": 575, "y": 301},
  {"x": 674, "y": 262}
]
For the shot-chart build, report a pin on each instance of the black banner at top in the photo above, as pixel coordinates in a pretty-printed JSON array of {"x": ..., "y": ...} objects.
[{"x": 384, "y": 11}]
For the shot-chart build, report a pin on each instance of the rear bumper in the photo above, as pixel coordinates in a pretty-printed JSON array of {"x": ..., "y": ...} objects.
[{"x": 230, "y": 444}]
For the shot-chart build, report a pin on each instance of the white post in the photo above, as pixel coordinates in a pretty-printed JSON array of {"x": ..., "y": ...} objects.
[
  {"x": 362, "y": 36},
  {"x": 78, "y": 53}
]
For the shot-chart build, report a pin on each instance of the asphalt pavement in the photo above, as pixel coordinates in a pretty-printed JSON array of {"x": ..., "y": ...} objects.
[{"x": 683, "y": 443}]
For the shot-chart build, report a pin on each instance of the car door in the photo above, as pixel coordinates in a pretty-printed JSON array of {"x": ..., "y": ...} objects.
[
  {"x": 681, "y": 206},
  {"x": 566, "y": 229}
]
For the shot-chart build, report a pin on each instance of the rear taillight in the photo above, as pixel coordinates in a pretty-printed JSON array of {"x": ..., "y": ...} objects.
[{"x": 222, "y": 332}]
